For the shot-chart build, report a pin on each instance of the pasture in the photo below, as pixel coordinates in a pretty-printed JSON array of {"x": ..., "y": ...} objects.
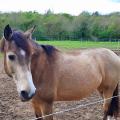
[
  {"x": 67, "y": 45},
  {"x": 11, "y": 108}
]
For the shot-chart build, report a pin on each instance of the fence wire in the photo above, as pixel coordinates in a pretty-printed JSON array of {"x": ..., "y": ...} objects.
[{"x": 77, "y": 107}]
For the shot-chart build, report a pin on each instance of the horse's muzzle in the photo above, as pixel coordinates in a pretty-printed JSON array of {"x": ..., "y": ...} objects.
[{"x": 24, "y": 95}]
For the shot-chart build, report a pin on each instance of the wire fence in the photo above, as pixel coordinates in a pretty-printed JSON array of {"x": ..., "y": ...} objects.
[
  {"x": 77, "y": 107},
  {"x": 72, "y": 37}
]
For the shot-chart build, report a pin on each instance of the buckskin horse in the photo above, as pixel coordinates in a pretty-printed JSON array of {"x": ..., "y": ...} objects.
[{"x": 45, "y": 74}]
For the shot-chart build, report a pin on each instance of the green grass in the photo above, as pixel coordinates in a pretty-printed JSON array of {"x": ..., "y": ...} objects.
[
  {"x": 66, "y": 45},
  {"x": 1, "y": 55},
  {"x": 80, "y": 44}
]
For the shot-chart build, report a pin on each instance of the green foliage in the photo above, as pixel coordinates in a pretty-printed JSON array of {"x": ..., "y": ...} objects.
[{"x": 64, "y": 26}]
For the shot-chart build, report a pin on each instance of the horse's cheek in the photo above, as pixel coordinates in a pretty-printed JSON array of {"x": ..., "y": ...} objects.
[{"x": 6, "y": 66}]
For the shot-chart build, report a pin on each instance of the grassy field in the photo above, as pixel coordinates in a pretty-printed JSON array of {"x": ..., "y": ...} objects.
[
  {"x": 81, "y": 44},
  {"x": 66, "y": 45}
]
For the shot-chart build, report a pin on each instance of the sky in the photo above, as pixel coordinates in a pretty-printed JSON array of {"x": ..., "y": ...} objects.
[{"x": 74, "y": 7}]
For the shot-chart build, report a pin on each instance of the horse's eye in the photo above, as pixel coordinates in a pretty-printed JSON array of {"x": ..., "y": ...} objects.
[{"x": 11, "y": 57}]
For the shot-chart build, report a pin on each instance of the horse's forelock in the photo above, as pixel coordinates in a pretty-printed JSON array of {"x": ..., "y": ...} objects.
[{"x": 20, "y": 40}]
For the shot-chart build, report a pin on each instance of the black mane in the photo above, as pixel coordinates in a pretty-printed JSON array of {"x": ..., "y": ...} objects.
[{"x": 49, "y": 49}]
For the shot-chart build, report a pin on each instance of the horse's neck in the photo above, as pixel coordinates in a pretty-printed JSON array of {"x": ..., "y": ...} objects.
[{"x": 41, "y": 64}]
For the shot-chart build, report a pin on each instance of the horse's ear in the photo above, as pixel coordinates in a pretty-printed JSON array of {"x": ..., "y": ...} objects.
[
  {"x": 7, "y": 32},
  {"x": 29, "y": 32}
]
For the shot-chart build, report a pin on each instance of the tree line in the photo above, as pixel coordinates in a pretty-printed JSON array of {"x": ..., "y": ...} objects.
[{"x": 62, "y": 26}]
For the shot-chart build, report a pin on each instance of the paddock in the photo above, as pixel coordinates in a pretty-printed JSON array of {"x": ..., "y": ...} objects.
[{"x": 11, "y": 108}]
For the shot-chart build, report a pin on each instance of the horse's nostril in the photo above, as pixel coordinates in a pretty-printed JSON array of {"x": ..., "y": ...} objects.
[{"x": 24, "y": 94}]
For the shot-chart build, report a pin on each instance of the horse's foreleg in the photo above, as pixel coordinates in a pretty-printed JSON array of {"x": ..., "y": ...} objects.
[
  {"x": 46, "y": 109},
  {"x": 37, "y": 109},
  {"x": 38, "y": 116}
]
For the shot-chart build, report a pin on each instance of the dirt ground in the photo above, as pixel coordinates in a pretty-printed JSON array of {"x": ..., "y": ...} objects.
[{"x": 11, "y": 108}]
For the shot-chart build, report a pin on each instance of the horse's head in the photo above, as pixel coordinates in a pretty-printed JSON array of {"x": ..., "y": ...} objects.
[{"x": 17, "y": 59}]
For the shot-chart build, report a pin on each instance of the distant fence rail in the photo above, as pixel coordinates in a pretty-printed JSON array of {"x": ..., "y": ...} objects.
[{"x": 73, "y": 37}]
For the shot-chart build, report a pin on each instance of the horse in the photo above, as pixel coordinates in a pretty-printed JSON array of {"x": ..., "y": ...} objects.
[{"x": 44, "y": 74}]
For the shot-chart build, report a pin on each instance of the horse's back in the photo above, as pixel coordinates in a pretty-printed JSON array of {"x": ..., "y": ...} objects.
[
  {"x": 85, "y": 70},
  {"x": 109, "y": 63},
  {"x": 105, "y": 57}
]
